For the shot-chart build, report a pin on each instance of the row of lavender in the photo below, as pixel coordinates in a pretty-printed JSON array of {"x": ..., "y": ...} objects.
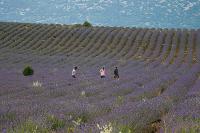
[{"x": 96, "y": 42}]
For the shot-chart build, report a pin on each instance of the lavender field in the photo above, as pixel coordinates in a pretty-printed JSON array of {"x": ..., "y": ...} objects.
[{"x": 158, "y": 89}]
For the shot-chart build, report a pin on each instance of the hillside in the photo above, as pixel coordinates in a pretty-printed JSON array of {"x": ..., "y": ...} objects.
[{"x": 158, "y": 88}]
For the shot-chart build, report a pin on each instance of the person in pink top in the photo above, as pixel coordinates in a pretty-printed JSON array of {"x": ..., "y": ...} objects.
[{"x": 102, "y": 72}]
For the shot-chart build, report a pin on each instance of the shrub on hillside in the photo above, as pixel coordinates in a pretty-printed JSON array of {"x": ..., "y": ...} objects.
[
  {"x": 87, "y": 24},
  {"x": 54, "y": 122},
  {"x": 28, "y": 71},
  {"x": 29, "y": 127},
  {"x": 77, "y": 25}
]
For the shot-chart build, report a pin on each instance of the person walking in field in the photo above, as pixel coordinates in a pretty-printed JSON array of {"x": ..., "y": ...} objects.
[
  {"x": 116, "y": 73},
  {"x": 102, "y": 72},
  {"x": 74, "y": 72}
]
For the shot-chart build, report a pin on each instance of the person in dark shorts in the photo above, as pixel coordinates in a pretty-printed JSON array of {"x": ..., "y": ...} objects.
[
  {"x": 102, "y": 72},
  {"x": 116, "y": 73},
  {"x": 74, "y": 72}
]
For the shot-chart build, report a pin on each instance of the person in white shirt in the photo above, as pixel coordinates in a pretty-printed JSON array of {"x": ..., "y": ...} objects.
[
  {"x": 74, "y": 72},
  {"x": 103, "y": 72}
]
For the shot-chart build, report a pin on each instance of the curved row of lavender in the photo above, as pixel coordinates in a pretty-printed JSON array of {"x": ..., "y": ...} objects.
[{"x": 158, "y": 90}]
